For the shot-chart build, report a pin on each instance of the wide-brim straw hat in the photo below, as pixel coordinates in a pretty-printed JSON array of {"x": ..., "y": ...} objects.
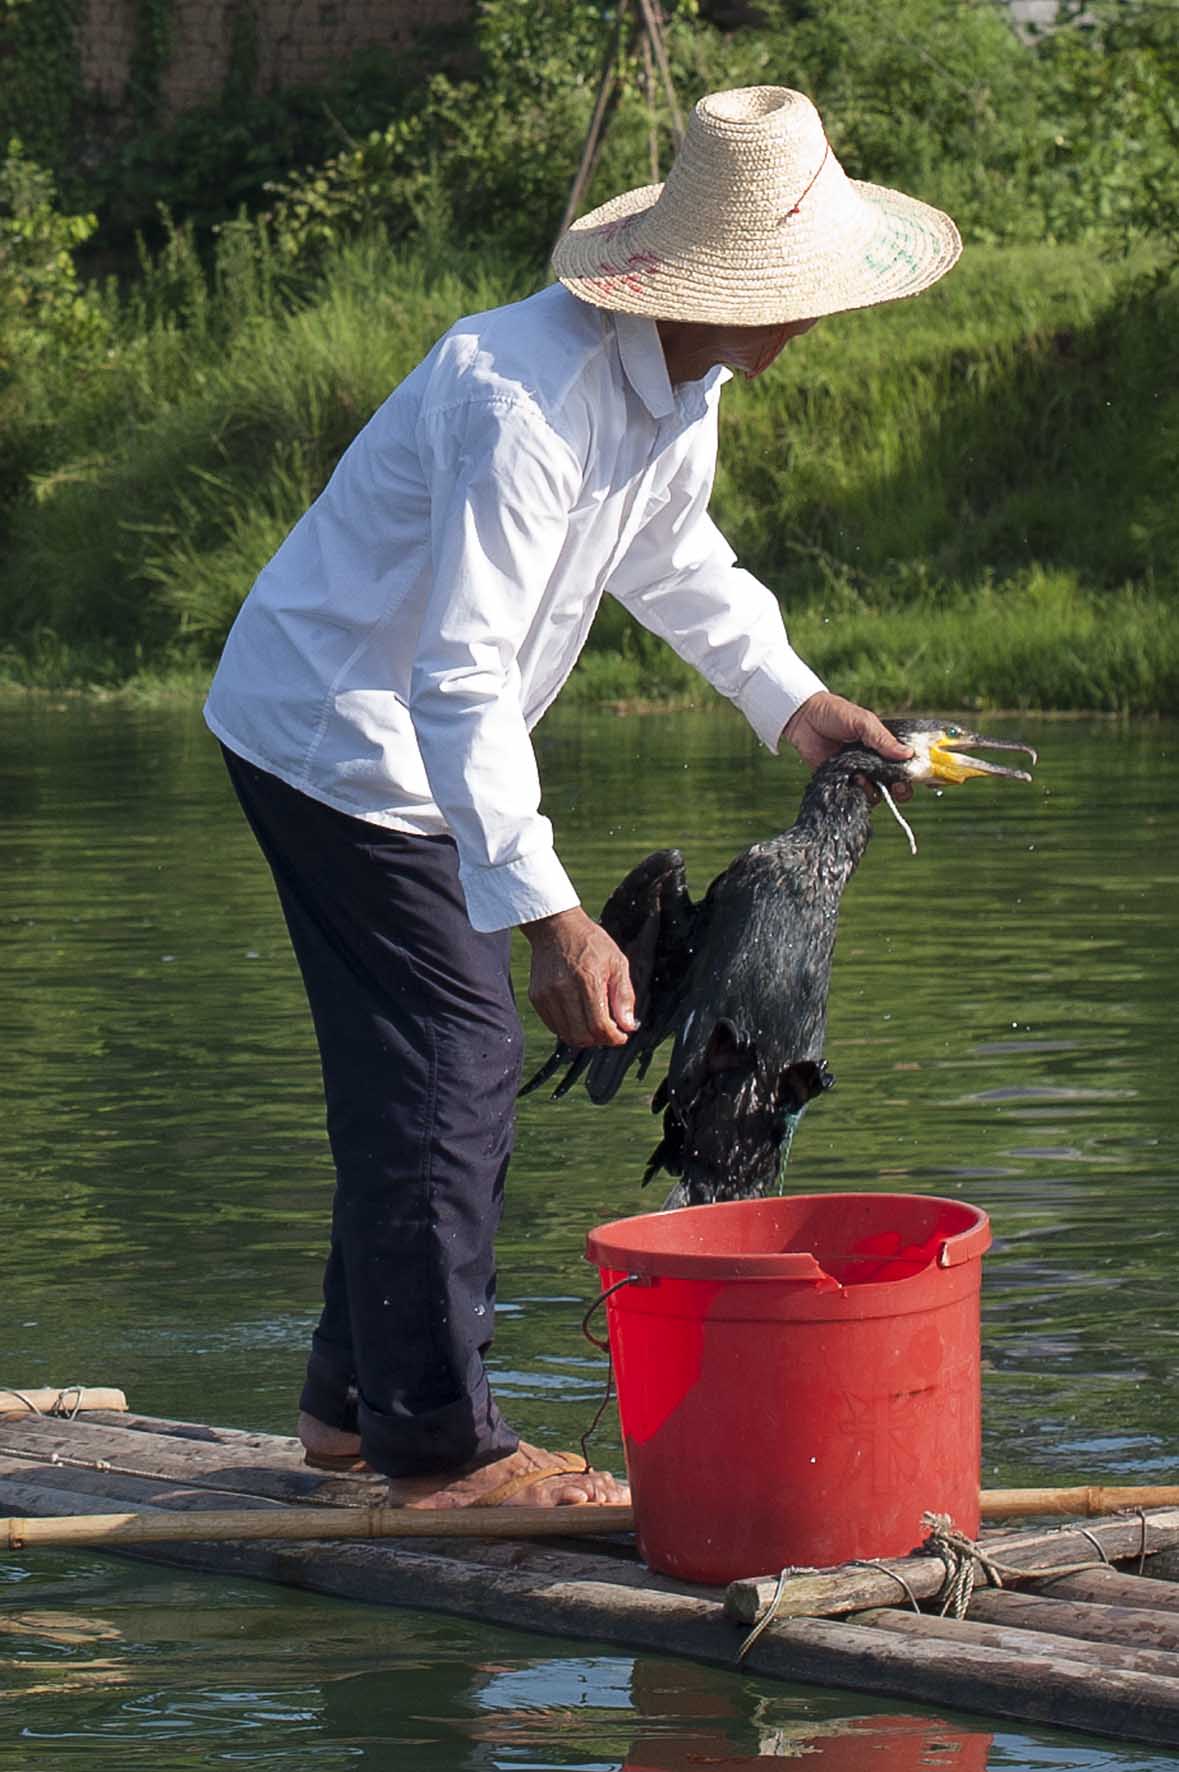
[{"x": 757, "y": 224}]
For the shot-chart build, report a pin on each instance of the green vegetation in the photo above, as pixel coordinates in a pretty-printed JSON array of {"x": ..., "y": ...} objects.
[{"x": 963, "y": 499}]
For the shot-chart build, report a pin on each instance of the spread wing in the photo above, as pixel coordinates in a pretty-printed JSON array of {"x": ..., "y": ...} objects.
[{"x": 652, "y": 918}]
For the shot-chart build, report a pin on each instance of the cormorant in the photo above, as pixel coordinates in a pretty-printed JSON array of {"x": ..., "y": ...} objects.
[{"x": 740, "y": 979}]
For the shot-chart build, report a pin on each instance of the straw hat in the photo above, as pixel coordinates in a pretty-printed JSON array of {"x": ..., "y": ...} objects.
[{"x": 757, "y": 224}]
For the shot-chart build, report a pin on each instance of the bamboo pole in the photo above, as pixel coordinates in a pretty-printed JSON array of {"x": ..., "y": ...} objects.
[
  {"x": 645, "y": 26},
  {"x": 237, "y": 1525},
  {"x": 1086, "y": 1500},
  {"x": 654, "y": 30},
  {"x": 65, "y": 1399},
  {"x": 604, "y": 102},
  {"x": 649, "y": 98}
]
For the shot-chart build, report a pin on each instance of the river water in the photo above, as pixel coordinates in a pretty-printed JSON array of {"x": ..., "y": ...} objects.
[{"x": 1001, "y": 1030}]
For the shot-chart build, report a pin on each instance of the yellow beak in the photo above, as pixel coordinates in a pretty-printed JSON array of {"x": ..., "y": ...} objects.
[{"x": 950, "y": 766}]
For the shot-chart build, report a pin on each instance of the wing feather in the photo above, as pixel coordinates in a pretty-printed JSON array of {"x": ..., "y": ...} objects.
[{"x": 651, "y": 917}]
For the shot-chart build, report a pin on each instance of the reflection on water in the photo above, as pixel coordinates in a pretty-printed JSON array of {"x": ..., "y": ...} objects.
[
  {"x": 279, "y": 1680},
  {"x": 1000, "y": 1028}
]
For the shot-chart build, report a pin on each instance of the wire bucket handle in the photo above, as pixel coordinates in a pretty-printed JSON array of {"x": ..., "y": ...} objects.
[
  {"x": 604, "y": 1346},
  {"x": 599, "y": 1301}
]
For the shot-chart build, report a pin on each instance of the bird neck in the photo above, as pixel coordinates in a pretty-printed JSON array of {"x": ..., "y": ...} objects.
[{"x": 836, "y": 814}]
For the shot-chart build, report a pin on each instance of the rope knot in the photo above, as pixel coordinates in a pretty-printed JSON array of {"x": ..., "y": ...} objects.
[{"x": 962, "y": 1557}]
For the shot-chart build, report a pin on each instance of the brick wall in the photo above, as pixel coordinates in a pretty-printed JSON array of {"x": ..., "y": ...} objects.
[{"x": 299, "y": 41}]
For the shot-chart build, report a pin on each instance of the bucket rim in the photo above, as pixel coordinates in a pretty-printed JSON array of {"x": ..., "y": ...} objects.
[{"x": 614, "y": 1246}]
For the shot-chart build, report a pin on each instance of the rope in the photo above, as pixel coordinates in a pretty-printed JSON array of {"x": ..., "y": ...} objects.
[
  {"x": 768, "y": 1616},
  {"x": 963, "y": 1558},
  {"x": 895, "y": 810},
  {"x": 62, "y": 1411},
  {"x": 872, "y": 1563},
  {"x": 1097, "y": 1545},
  {"x": 59, "y": 1402},
  {"x": 26, "y": 1400},
  {"x": 66, "y": 1462}
]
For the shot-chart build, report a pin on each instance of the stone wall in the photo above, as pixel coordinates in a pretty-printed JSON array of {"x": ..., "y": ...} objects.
[{"x": 298, "y": 41}]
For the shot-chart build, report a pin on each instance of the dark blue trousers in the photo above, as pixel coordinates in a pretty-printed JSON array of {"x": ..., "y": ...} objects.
[{"x": 421, "y": 1049}]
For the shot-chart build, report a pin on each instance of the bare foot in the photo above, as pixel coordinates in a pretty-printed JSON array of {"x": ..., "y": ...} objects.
[
  {"x": 326, "y": 1442},
  {"x": 563, "y": 1489}
]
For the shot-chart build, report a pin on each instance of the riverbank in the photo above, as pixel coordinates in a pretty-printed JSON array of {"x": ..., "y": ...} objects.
[{"x": 964, "y": 500}]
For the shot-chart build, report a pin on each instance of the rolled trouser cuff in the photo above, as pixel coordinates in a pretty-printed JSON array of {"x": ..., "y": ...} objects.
[
  {"x": 329, "y": 1388},
  {"x": 458, "y": 1437}
]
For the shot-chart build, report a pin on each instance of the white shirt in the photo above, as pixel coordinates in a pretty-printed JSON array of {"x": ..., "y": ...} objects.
[{"x": 421, "y": 616}]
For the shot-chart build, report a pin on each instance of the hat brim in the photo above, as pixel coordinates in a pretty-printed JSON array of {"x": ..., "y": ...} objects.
[{"x": 610, "y": 258}]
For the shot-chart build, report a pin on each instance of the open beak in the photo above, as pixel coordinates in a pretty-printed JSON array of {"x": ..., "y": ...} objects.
[{"x": 948, "y": 765}]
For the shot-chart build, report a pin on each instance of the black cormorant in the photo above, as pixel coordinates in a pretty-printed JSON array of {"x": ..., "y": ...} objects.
[{"x": 740, "y": 979}]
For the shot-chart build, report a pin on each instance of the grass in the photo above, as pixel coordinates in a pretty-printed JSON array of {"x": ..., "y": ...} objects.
[
  {"x": 1039, "y": 642},
  {"x": 963, "y": 500}
]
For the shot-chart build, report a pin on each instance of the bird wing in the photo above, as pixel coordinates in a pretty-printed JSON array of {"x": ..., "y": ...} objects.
[
  {"x": 749, "y": 1057},
  {"x": 651, "y": 917}
]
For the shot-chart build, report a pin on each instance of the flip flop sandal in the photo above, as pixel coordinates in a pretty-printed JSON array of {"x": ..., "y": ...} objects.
[
  {"x": 561, "y": 1464},
  {"x": 338, "y": 1462}
]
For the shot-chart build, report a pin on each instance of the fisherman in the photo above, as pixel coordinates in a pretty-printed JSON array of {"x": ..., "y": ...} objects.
[{"x": 376, "y": 694}]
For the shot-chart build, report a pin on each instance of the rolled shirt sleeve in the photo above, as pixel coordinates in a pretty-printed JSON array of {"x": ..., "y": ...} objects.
[{"x": 502, "y": 482}]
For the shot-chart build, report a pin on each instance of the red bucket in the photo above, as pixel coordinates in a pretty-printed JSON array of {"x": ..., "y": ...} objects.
[{"x": 798, "y": 1378}]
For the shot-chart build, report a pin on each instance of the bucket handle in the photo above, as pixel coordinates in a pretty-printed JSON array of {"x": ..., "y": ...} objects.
[
  {"x": 607, "y": 1394},
  {"x": 626, "y": 1280}
]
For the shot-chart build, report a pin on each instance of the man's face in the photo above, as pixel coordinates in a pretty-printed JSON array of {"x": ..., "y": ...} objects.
[
  {"x": 692, "y": 348},
  {"x": 749, "y": 350}
]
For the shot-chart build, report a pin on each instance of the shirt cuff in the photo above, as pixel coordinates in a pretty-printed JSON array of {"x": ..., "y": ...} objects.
[
  {"x": 514, "y": 892},
  {"x": 775, "y": 691}
]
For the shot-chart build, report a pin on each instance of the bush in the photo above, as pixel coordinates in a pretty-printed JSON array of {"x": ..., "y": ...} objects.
[
  {"x": 900, "y": 479},
  {"x": 1069, "y": 138},
  {"x": 1014, "y": 428},
  {"x": 43, "y": 304},
  {"x": 210, "y": 163}
]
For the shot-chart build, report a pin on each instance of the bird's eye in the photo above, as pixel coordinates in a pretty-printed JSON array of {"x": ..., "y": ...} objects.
[{"x": 953, "y": 732}]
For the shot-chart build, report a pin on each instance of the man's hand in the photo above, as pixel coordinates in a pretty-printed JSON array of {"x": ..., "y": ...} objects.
[
  {"x": 824, "y": 723},
  {"x": 580, "y": 985}
]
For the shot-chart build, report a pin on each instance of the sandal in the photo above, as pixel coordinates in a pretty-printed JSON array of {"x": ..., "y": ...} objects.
[
  {"x": 561, "y": 1464},
  {"x": 347, "y": 1463}
]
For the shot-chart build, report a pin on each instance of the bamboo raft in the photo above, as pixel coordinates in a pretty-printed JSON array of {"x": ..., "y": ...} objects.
[{"x": 1095, "y": 1649}]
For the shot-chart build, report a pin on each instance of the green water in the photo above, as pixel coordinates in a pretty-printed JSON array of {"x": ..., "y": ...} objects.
[{"x": 1000, "y": 1027}]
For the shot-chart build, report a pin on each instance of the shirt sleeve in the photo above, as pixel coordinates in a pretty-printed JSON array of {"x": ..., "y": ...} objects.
[
  {"x": 501, "y": 485},
  {"x": 680, "y": 579}
]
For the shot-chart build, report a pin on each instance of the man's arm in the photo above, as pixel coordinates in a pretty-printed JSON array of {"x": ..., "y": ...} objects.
[
  {"x": 501, "y": 486},
  {"x": 681, "y": 580}
]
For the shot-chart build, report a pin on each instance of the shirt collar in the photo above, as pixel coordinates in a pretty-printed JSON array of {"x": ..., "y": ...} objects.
[{"x": 644, "y": 364}]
